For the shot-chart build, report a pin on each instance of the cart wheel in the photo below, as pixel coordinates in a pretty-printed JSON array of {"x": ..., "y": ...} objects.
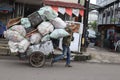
[{"x": 37, "y": 59}]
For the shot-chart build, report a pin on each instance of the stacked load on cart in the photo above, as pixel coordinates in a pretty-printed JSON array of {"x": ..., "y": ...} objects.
[{"x": 37, "y": 27}]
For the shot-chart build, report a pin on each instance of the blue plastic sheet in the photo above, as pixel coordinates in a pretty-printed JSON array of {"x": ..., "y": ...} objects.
[{"x": 2, "y": 28}]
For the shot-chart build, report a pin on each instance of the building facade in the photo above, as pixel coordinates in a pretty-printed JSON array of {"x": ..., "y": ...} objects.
[
  {"x": 108, "y": 20},
  {"x": 93, "y": 16},
  {"x": 109, "y": 12}
]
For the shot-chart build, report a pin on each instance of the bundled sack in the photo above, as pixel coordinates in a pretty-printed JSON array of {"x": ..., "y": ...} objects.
[
  {"x": 13, "y": 46},
  {"x": 59, "y": 33},
  {"x": 25, "y": 22},
  {"x": 19, "y": 28},
  {"x": 23, "y": 45},
  {"x": 58, "y": 23},
  {"x": 48, "y": 12},
  {"x": 13, "y": 36},
  {"x": 45, "y": 28},
  {"x": 35, "y": 38},
  {"x": 45, "y": 38}
]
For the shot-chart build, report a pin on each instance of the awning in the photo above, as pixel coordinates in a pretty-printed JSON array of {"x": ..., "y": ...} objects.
[{"x": 63, "y": 7}]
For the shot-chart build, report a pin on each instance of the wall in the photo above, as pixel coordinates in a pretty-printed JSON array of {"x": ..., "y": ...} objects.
[{"x": 113, "y": 17}]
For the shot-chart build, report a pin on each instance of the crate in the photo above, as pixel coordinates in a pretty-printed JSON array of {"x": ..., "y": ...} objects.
[{"x": 35, "y": 19}]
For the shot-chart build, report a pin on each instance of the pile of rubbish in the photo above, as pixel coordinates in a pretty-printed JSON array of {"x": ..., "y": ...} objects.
[{"x": 37, "y": 27}]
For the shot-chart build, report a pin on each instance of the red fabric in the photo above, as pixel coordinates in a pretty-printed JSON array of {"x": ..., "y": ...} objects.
[
  {"x": 63, "y": 4},
  {"x": 69, "y": 11},
  {"x": 82, "y": 13},
  {"x": 55, "y": 8}
]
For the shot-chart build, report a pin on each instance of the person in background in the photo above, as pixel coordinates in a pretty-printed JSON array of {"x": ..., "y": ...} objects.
[
  {"x": 2, "y": 29},
  {"x": 111, "y": 40},
  {"x": 66, "y": 48}
]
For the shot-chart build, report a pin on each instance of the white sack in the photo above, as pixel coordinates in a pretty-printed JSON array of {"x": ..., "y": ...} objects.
[
  {"x": 13, "y": 36},
  {"x": 35, "y": 38},
  {"x": 25, "y": 22},
  {"x": 20, "y": 29},
  {"x": 13, "y": 46},
  {"x": 58, "y": 23},
  {"x": 23, "y": 45},
  {"x": 48, "y": 12},
  {"x": 45, "y": 28},
  {"x": 59, "y": 33},
  {"x": 45, "y": 38}
]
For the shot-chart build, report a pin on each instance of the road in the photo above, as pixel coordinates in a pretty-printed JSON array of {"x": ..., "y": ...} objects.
[{"x": 20, "y": 70}]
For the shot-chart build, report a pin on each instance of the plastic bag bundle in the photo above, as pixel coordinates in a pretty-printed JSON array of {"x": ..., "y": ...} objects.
[
  {"x": 48, "y": 12},
  {"x": 19, "y": 28},
  {"x": 58, "y": 23},
  {"x": 13, "y": 36},
  {"x": 35, "y": 38},
  {"x": 23, "y": 45},
  {"x": 13, "y": 46},
  {"x": 45, "y": 28},
  {"x": 25, "y": 22},
  {"x": 59, "y": 33},
  {"x": 45, "y": 38}
]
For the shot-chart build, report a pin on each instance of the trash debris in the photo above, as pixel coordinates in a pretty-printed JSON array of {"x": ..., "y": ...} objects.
[{"x": 35, "y": 29}]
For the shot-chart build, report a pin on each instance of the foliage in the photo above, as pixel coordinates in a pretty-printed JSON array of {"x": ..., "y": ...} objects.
[
  {"x": 114, "y": 20},
  {"x": 93, "y": 24}
]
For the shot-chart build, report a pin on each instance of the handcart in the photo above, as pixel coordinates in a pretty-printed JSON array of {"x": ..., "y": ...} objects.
[{"x": 37, "y": 54}]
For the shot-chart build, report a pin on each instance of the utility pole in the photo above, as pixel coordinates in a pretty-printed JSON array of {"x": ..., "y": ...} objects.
[{"x": 85, "y": 22}]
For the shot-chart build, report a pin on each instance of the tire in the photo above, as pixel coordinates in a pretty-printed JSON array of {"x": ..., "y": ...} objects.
[{"x": 37, "y": 59}]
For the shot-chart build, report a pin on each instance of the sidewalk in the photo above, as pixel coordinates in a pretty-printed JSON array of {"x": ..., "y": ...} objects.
[{"x": 101, "y": 55}]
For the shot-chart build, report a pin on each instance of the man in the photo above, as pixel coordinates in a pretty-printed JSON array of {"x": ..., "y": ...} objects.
[
  {"x": 111, "y": 40},
  {"x": 2, "y": 29},
  {"x": 66, "y": 48}
]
